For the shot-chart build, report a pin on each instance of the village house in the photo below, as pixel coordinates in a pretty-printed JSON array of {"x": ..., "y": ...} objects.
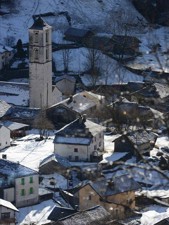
[
  {"x": 61, "y": 115},
  {"x": 7, "y": 213},
  {"x": 126, "y": 112},
  {"x": 66, "y": 85},
  {"x": 135, "y": 142},
  {"x": 16, "y": 129},
  {"x": 6, "y": 54},
  {"x": 4, "y": 137},
  {"x": 117, "y": 196},
  {"x": 78, "y": 35},
  {"x": 81, "y": 140},
  {"x": 18, "y": 184},
  {"x": 84, "y": 102},
  {"x": 54, "y": 163}
]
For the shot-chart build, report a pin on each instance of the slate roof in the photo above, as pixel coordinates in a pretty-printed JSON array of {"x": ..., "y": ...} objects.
[
  {"x": 5, "y": 108},
  {"x": 14, "y": 170},
  {"x": 77, "y": 32},
  {"x": 79, "y": 131},
  {"x": 39, "y": 24},
  {"x": 86, "y": 217},
  {"x": 66, "y": 77},
  {"x": 14, "y": 125},
  {"x": 59, "y": 213},
  {"x": 106, "y": 187},
  {"x": 141, "y": 136},
  {"x": 7, "y": 204},
  {"x": 57, "y": 158}
]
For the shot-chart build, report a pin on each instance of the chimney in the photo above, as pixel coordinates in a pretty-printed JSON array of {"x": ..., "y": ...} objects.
[{"x": 84, "y": 118}]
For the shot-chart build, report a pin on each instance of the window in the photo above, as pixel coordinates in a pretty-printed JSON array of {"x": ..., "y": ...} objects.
[
  {"x": 5, "y": 215},
  {"x": 47, "y": 36},
  {"x": 90, "y": 197},
  {"x": 70, "y": 157},
  {"x": 22, "y": 181},
  {"x": 75, "y": 149},
  {"x": 36, "y": 53},
  {"x": 36, "y": 37},
  {"x": 100, "y": 135},
  {"x": 95, "y": 147},
  {"x": 99, "y": 143},
  {"x": 47, "y": 53},
  {"x": 31, "y": 180},
  {"x": 22, "y": 192},
  {"x": 31, "y": 190},
  {"x": 76, "y": 158}
]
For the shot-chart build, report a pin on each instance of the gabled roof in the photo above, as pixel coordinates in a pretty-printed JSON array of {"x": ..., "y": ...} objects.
[
  {"x": 80, "y": 131},
  {"x": 39, "y": 24},
  {"x": 7, "y": 204}
]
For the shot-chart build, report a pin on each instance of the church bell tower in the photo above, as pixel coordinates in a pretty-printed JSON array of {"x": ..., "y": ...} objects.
[{"x": 40, "y": 64}]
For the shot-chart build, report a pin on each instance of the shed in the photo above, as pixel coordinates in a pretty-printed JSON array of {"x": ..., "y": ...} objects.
[{"x": 77, "y": 35}]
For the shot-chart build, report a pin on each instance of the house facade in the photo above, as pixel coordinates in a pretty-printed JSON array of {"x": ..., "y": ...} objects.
[
  {"x": 7, "y": 213},
  {"x": 81, "y": 140},
  {"x": 6, "y": 54},
  {"x": 19, "y": 184},
  {"x": 4, "y": 137},
  {"x": 117, "y": 196}
]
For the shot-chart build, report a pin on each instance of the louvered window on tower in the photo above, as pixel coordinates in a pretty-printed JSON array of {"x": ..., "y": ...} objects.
[
  {"x": 36, "y": 52},
  {"x": 36, "y": 37}
]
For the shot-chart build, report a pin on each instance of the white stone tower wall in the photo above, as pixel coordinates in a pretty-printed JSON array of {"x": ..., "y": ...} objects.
[{"x": 40, "y": 66}]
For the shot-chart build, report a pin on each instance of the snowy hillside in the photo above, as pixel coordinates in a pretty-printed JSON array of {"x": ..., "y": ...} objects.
[{"x": 98, "y": 15}]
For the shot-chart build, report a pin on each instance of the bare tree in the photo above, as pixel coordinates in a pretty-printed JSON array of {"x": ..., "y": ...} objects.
[
  {"x": 93, "y": 62},
  {"x": 66, "y": 59},
  {"x": 42, "y": 123}
]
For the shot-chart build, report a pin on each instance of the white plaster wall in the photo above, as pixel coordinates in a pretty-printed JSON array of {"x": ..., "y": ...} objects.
[
  {"x": 28, "y": 198},
  {"x": 6, "y": 210},
  {"x": 4, "y": 137},
  {"x": 40, "y": 85},
  {"x": 84, "y": 151},
  {"x": 9, "y": 194},
  {"x": 56, "y": 96}
]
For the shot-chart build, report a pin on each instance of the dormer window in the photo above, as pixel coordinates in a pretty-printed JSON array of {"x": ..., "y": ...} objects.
[
  {"x": 36, "y": 54},
  {"x": 36, "y": 35}
]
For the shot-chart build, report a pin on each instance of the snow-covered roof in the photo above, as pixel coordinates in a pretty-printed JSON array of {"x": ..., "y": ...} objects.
[
  {"x": 7, "y": 204},
  {"x": 14, "y": 170},
  {"x": 14, "y": 125},
  {"x": 65, "y": 77},
  {"x": 114, "y": 157},
  {"x": 81, "y": 102},
  {"x": 79, "y": 131},
  {"x": 14, "y": 93},
  {"x": 5, "y": 49},
  {"x": 59, "y": 159}
]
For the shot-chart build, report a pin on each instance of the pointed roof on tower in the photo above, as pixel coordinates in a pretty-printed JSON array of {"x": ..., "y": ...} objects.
[{"x": 39, "y": 24}]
